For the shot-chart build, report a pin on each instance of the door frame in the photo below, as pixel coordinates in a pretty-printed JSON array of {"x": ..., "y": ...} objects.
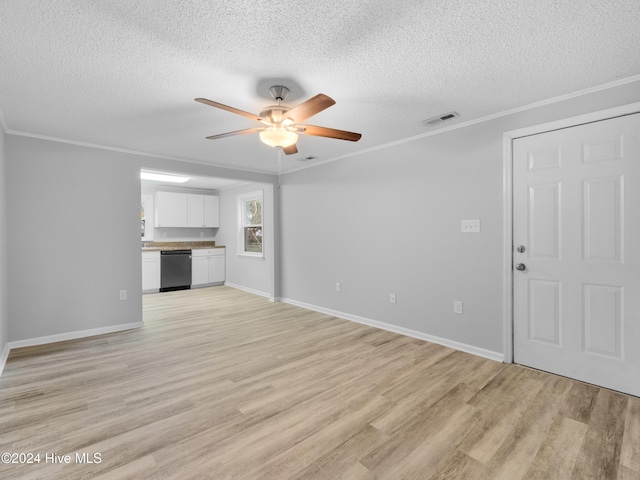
[{"x": 507, "y": 214}]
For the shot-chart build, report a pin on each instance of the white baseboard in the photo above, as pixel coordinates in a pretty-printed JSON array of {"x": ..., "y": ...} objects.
[
  {"x": 61, "y": 337},
  {"x": 4, "y": 356},
  {"x": 463, "y": 347},
  {"x": 250, "y": 290}
]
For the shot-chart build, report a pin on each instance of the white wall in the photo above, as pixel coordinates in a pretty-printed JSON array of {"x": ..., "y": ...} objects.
[
  {"x": 4, "y": 285},
  {"x": 73, "y": 237},
  {"x": 250, "y": 273},
  {"x": 389, "y": 221}
]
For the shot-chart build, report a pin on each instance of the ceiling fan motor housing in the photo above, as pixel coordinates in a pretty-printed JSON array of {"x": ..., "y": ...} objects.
[
  {"x": 275, "y": 113},
  {"x": 279, "y": 92}
]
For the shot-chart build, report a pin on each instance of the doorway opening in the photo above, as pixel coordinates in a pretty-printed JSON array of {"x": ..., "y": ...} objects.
[{"x": 167, "y": 213}]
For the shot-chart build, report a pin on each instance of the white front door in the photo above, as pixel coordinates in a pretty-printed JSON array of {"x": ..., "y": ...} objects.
[{"x": 576, "y": 234}]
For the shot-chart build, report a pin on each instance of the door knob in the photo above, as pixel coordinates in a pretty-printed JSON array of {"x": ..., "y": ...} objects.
[{"x": 521, "y": 266}]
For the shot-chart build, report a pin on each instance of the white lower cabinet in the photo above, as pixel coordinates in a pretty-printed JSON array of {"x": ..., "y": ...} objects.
[
  {"x": 217, "y": 265},
  {"x": 199, "y": 269},
  {"x": 207, "y": 266},
  {"x": 150, "y": 271}
]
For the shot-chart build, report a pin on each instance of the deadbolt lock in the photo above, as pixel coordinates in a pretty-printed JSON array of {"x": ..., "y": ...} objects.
[{"x": 521, "y": 249}]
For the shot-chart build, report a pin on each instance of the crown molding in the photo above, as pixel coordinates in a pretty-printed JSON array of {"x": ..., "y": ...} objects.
[
  {"x": 414, "y": 138},
  {"x": 476, "y": 121}
]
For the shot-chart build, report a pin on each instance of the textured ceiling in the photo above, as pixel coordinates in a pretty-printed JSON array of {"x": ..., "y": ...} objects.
[{"x": 123, "y": 74}]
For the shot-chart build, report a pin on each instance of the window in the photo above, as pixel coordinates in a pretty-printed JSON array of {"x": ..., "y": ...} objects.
[{"x": 250, "y": 237}]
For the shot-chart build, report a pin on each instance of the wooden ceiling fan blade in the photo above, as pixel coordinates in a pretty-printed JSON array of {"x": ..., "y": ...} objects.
[
  {"x": 290, "y": 150},
  {"x": 230, "y": 109},
  {"x": 330, "y": 133},
  {"x": 232, "y": 134},
  {"x": 309, "y": 108}
]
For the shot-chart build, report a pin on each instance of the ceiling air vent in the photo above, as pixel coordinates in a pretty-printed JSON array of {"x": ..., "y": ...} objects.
[{"x": 432, "y": 122}]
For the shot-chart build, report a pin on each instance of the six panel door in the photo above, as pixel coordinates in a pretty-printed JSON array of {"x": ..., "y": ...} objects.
[{"x": 577, "y": 222}]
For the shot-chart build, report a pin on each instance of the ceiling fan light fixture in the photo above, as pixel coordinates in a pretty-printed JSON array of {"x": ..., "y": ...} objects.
[{"x": 278, "y": 137}]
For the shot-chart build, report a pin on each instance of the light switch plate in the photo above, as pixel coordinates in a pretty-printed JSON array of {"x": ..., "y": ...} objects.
[{"x": 470, "y": 226}]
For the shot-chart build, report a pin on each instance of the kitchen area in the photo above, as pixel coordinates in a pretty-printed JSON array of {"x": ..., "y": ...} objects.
[
  {"x": 192, "y": 237},
  {"x": 178, "y": 227}
]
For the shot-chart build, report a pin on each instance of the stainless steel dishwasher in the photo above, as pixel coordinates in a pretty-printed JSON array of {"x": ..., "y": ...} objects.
[{"x": 175, "y": 270}]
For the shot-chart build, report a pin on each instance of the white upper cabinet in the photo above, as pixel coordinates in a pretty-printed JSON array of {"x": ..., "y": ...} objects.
[
  {"x": 211, "y": 211},
  {"x": 195, "y": 210},
  {"x": 187, "y": 210},
  {"x": 203, "y": 211},
  {"x": 171, "y": 209}
]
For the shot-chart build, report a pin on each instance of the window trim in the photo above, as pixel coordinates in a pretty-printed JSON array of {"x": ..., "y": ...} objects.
[{"x": 241, "y": 201}]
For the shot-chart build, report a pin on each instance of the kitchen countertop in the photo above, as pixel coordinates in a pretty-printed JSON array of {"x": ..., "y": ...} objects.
[{"x": 158, "y": 246}]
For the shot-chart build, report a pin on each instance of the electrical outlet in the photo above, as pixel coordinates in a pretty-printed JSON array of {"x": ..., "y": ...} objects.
[
  {"x": 392, "y": 298},
  {"x": 123, "y": 294},
  {"x": 338, "y": 287},
  {"x": 457, "y": 307},
  {"x": 470, "y": 226}
]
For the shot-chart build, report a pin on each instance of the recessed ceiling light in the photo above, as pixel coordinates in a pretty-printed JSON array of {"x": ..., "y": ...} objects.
[{"x": 163, "y": 177}]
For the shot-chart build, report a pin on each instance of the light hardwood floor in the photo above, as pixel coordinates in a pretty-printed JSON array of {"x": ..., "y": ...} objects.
[{"x": 220, "y": 384}]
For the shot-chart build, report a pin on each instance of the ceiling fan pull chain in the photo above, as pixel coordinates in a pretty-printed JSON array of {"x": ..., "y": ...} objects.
[{"x": 279, "y": 166}]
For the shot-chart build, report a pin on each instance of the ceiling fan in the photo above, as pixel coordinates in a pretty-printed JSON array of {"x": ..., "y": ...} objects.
[{"x": 283, "y": 123}]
